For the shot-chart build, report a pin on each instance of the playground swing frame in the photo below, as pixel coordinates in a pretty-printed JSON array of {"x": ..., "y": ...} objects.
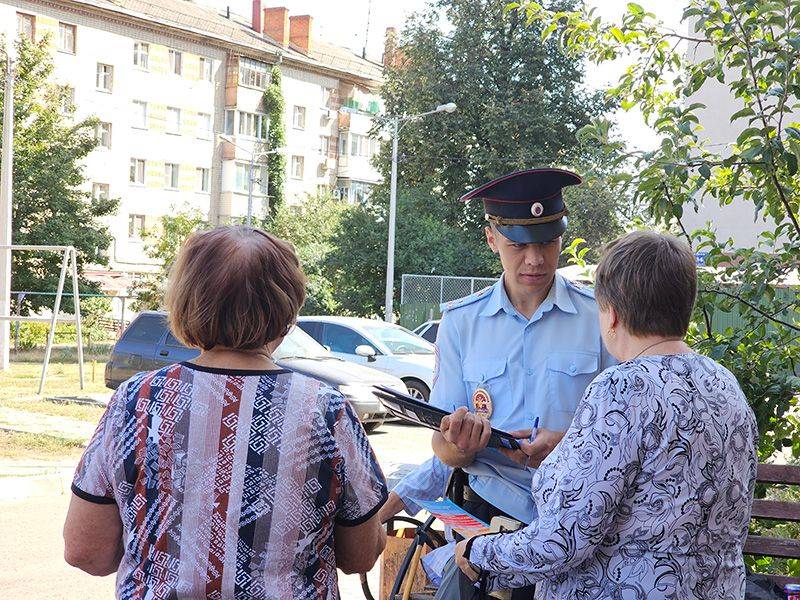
[{"x": 68, "y": 261}]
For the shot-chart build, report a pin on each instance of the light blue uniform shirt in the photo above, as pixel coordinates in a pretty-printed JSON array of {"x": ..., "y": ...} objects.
[{"x": 537, "y": 367}]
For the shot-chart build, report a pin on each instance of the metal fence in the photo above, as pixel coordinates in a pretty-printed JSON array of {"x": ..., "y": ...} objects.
[{"x": 421, "y": 295}]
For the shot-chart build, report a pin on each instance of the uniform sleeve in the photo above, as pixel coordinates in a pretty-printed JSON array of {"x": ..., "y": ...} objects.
[
  {"x": 93, "y": 480},
  {"x": 448, "y": 391},
  {"x": 582, "y": 484},
  {"x": 363, "y": 486},
  {"x": 427, "y": 482}
]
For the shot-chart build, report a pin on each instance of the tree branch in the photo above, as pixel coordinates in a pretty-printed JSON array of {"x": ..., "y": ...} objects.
[
  {"x": 764, "y": 314},
  {"x": 706, "y": 314},
  {"x": 751, "y": 69}
]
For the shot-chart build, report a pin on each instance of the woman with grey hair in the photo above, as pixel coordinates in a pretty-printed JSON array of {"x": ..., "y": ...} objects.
[{"x": 648, "y": 495}]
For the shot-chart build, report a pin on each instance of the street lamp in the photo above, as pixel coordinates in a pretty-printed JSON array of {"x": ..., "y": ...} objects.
[
  {"x": 397, "y": 125},
  {"x": 250, "y": 178}
]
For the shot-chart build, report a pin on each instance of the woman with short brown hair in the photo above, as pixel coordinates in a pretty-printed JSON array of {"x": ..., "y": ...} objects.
[
  {"x": 228, "y": 476},
  {"x": 648, "y": 494}
]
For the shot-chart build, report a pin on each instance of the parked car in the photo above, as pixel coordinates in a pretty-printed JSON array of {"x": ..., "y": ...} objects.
[
  {"x": 147, "y": 344},
  {"x": 428, "y": 330},
  {"x": 384, "y": 346}
]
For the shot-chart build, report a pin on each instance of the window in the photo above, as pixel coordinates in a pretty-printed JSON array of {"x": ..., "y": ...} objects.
[
  {"x": 297, "y": 167},
  {"x": 343, "y": 145},
  {"x": 360, "y": 191},
  {"x": 135, "y": 226},
  {"x": 259, "y": 179},
  {"x": 173, "y": 120},
  {"x": 67, "y": 35},
  {"x": 175, "y": 62},
  {"x": 359, "y": 145},
  {"x": 102, "y": 131},
  {"x": 137, "y": 171},
  {"x": 26, "y": 26},
  {"x": 329, "y": 97},
  {"x": 171, "y": 176},
  {"x": 299, "y": 117},
  {"x": 204, "y": 126},
  {"x": 324, "y": 145},
  {"x": 253, "y": 73},
  {"x": 141, "y": 55},
  {"x": 146, "y": 328},
  {"x": 105, "y": 77},
  {"x": 253, "y": 125},
  {"x": 229, "y": 118},
  {"x": 342, "y": 339},
  {"x": 203, "y": 179},
  {"x": 139, "y": 119},
  {"x": 67, "y": 100},
  {"x": 100, "y": 191},
  {"x": 205, "y": 69}
]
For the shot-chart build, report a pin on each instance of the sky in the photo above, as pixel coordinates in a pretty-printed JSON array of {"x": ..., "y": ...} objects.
[{"x": 345, "y": 24}]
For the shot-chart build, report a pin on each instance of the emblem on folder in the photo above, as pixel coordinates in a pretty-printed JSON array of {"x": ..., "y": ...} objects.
[{"x": 482, "y": 402}]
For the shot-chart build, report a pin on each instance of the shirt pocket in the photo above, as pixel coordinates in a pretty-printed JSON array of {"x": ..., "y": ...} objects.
[
  {"x": 569, "y": 373},
  {"x": 488, "y": 374}
]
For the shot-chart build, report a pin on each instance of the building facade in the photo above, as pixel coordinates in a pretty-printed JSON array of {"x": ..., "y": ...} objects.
[{"x": 179, "y": 92}]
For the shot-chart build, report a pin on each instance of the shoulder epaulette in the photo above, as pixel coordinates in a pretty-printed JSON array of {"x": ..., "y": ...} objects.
[
  {"x": 466, "y": 300},
  {"x": 580, "y": 288}
]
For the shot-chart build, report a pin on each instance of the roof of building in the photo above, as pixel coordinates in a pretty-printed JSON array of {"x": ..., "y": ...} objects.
[{"x": 199, "y": 20}]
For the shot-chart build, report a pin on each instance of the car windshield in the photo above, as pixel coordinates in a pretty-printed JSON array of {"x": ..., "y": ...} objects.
[
  {"x": 299, "y": 344},
  {"x": 399, "y": 340}
]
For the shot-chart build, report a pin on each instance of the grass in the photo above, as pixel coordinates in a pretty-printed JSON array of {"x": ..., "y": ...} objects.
[
  {"x": 22, "y": 379},
  {"x": 72, "y": 410},
  {"x": 16, "y": 444}
]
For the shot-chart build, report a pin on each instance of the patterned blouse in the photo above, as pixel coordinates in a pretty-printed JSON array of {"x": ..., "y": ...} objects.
[
  {"x": 229, "y": 483},
  {"x": 647, "y": 496}
]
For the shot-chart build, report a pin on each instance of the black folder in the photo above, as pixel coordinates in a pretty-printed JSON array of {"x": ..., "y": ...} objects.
[{"x": 409, "y": 409}]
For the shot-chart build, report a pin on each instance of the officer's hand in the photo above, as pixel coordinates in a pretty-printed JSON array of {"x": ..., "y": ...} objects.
[
  {"x": 531, "y": 454},
  {"x": 467, "y": 431}
]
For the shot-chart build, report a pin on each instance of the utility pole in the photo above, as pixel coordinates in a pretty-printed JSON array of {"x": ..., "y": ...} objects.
[{"x": 6, "y": 186}]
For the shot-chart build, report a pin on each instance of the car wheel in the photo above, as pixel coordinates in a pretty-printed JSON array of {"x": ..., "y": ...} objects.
[
  {"x": 371, "y": 427},
  {"x": 417, "y": 390}
]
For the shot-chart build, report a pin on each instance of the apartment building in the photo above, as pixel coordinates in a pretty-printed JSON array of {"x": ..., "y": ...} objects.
[{"x": 179, "y": 90}]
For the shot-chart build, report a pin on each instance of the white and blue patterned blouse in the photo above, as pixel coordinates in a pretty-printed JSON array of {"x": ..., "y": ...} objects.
[{"x": 647, "y": 496}]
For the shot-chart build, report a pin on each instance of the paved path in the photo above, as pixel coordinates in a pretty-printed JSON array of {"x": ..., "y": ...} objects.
[
  {"x": 31, "y": 547},
  {"x": 32, "y": 422}
]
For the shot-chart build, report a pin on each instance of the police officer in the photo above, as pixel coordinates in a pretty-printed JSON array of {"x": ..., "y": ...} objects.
[{"x": 516, "y": 354}]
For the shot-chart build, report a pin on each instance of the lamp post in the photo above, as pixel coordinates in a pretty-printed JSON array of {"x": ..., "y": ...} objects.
[
  {"x": 397, "y": 124},
  {"x": 253, "y": 156}
]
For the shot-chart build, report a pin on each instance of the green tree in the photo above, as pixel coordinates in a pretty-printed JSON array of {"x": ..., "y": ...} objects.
[
  {"x": 753, "y": 50},
  {"x": 310, "y": 226},
  {"x": 276, "y": 138},
  {"x": 49, "y": 207},
  {"x": 162, "y": 244},
  {"x": 520, "y": 103}
]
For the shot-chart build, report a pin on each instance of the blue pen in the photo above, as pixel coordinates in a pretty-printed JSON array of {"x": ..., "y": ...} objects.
[{"x": 534, "y": 431}]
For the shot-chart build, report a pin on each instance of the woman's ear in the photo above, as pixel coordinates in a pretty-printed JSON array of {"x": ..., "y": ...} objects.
[{"x": 613, "y": 318}]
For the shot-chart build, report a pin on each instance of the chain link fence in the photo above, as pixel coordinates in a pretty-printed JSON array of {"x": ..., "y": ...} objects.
[{"x": 421, "y": 295}]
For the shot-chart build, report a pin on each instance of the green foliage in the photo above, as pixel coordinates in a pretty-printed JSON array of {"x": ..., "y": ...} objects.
[
  {"x": 751, "y": 48},
  {"x": 49, "y": 208},
  {"x": 161, "y": 245},
  {"x": 520, "y": 101},
  {"x": 310, "y": 226},
  {"x": 93, "y": 310},
  {"x": 276, "y": 138}
]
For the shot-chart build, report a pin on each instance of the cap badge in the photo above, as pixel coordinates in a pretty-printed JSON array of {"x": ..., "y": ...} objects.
[
  {"x": 482, "y": 402},
  {"x": 537, "y": 209}
]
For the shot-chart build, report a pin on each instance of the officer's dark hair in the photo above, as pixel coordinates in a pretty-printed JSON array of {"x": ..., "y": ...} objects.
[
  {"x": 235, "y": 287},
  {"x": 650, "y": 280}
]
